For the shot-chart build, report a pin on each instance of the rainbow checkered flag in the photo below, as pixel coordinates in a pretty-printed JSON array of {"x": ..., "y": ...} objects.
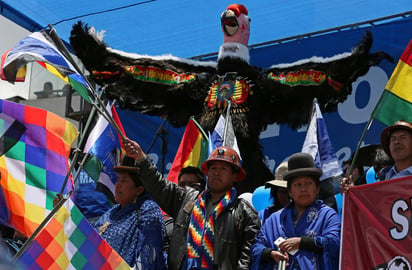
[
  {"x": 68, "y": 241},
  {"x": 34, "y": 169},
  {"x": 10, "y": 132}
]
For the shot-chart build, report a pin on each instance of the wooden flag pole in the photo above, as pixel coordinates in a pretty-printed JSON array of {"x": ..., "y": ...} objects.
[{"x": 99, "y": 106}]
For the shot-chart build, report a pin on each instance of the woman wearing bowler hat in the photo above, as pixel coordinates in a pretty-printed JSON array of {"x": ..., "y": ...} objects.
[
  {"x": 306, "y": 233},
  {"x": 134, "y": 227}
]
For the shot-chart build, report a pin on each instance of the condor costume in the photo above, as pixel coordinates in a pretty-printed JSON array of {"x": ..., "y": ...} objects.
[{"x": 177, "y": 89}]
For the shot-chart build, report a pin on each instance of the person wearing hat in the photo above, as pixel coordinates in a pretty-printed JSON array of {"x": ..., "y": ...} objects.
[
  {"x": 396, "y": 141},
  {"x": 214, "y": 229},
  {"x": 134, "y": 227},
  {"x": 278, "y": 192},
  {"x": 306, "y": 233}
]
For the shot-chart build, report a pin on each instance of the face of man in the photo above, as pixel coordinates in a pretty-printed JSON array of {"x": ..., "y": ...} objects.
[
  {"x": 400, "y": 145},
  {"x": 282, "y": 195},
  {"x": 190, "y": 180},
  {"x": 303, "y": 191},
  {"x": 220, "y": 177}
]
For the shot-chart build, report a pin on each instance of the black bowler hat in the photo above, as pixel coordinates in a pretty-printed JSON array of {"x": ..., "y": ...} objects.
[{"x": 301, "y": 164}]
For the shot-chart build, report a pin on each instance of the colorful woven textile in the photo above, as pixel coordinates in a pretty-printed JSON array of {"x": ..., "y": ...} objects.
[{"x": 201, "y": 235}]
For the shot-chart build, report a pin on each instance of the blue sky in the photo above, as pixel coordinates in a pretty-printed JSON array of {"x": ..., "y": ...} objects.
[{"x": 190, "y": 28}]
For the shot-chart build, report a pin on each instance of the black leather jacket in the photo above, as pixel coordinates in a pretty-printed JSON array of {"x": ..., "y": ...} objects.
[{"x": 235, "y": 229}]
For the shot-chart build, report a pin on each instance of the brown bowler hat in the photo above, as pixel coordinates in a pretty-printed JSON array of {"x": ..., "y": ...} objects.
[{"x": 126, "y": 165}]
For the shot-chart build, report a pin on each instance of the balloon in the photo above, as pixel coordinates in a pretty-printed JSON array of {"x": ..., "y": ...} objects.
[
  {"x": 261, "y": 198},
  {"x": 339, "y": 199},
  {"x": 247, "y": 196},
  {"x": 370, "y": 176}
]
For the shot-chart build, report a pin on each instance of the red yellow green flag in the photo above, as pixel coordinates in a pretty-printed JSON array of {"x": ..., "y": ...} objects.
[
  {"x": 192, "y": 150},
  {"x": 396, "y": 101}
]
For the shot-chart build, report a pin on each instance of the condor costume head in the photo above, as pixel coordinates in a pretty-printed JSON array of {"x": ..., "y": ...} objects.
[{"x": 235, "y": 24}]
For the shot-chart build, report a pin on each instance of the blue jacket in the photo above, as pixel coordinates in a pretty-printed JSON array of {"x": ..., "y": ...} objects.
[{"x": 319, "y": 222}]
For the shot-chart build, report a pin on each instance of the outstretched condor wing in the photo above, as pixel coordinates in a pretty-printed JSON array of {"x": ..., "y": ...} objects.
[
  {"x": 166, "y": 86},
  {"x": 289, "y": 89}
]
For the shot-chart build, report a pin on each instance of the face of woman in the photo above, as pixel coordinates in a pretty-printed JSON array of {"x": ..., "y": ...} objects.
[
  {"x": 125, "y": 189},
  {"x": 303, "y": 191}
]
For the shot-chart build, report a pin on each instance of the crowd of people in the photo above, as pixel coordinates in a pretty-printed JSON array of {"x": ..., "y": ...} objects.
[{"x": 206, "y": 225}]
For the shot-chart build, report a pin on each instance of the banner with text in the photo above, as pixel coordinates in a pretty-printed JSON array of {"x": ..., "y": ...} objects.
[{"x": 376, "y": 232}]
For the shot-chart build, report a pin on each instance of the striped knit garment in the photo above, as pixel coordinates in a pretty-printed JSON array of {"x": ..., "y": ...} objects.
[{"x": 201, "y": 236}]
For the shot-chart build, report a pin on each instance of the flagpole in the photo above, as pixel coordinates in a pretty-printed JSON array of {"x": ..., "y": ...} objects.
[
  {"x": 41, "y": 226},
  {"x": 365, "y": 130},
  {"x": 56, "y": 39},
  {"x": 101, "y": 109},
  {"x": 80, "y": 144},
  {"x": 199, "y": 127},
  {"x": 229, "y": 103}
]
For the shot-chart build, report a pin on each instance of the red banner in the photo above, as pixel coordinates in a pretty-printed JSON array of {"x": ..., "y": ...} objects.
[{"x": 377, "y": 226}]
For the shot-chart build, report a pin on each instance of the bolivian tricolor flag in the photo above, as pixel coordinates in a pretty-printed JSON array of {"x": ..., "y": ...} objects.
[
  {"x": 192, "y": 150},
  {"x": 396, "y": 101}
]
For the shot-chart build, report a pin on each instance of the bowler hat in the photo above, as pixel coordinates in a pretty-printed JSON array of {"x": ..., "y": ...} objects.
[
  {"x": 301, "y": 164},
  {"x": 279, "y": 181},
  {"x": 126, "y": 165},
  {"x": 387, "y": 132}
]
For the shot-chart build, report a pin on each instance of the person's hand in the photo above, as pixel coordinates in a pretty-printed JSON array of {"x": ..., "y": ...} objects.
[
  {"x": 345, "y": 184},
  {"x": 290, "y": 244},
  {"x": 57, "y": 199},
  {"x": 133, "y": 149},
  {"x": 277, "y": 256}
]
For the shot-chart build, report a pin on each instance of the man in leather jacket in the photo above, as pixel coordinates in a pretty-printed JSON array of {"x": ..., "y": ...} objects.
[{"x": 213, "y": 229}]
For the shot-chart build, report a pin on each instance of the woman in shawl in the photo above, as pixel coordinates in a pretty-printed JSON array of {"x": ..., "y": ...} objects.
[
  {"x": 134, "y": 227},
  {"x": 306, "y": 233}
]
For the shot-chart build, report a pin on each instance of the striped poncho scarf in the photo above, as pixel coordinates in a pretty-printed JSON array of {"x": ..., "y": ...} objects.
[{"x": 201, "y": 236}]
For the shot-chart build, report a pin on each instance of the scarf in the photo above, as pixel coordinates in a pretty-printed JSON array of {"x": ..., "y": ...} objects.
[{"x": 201, "y": 236}]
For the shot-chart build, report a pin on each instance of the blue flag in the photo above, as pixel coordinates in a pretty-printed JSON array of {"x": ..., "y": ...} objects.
[
  {"x": 104, "y": 144},
  {"x": 318, "y": 144},
  {"x": 224, "y": 134}
]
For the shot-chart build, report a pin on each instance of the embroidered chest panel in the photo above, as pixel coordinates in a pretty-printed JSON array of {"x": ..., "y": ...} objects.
[{"x": 228, "y": 87}]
